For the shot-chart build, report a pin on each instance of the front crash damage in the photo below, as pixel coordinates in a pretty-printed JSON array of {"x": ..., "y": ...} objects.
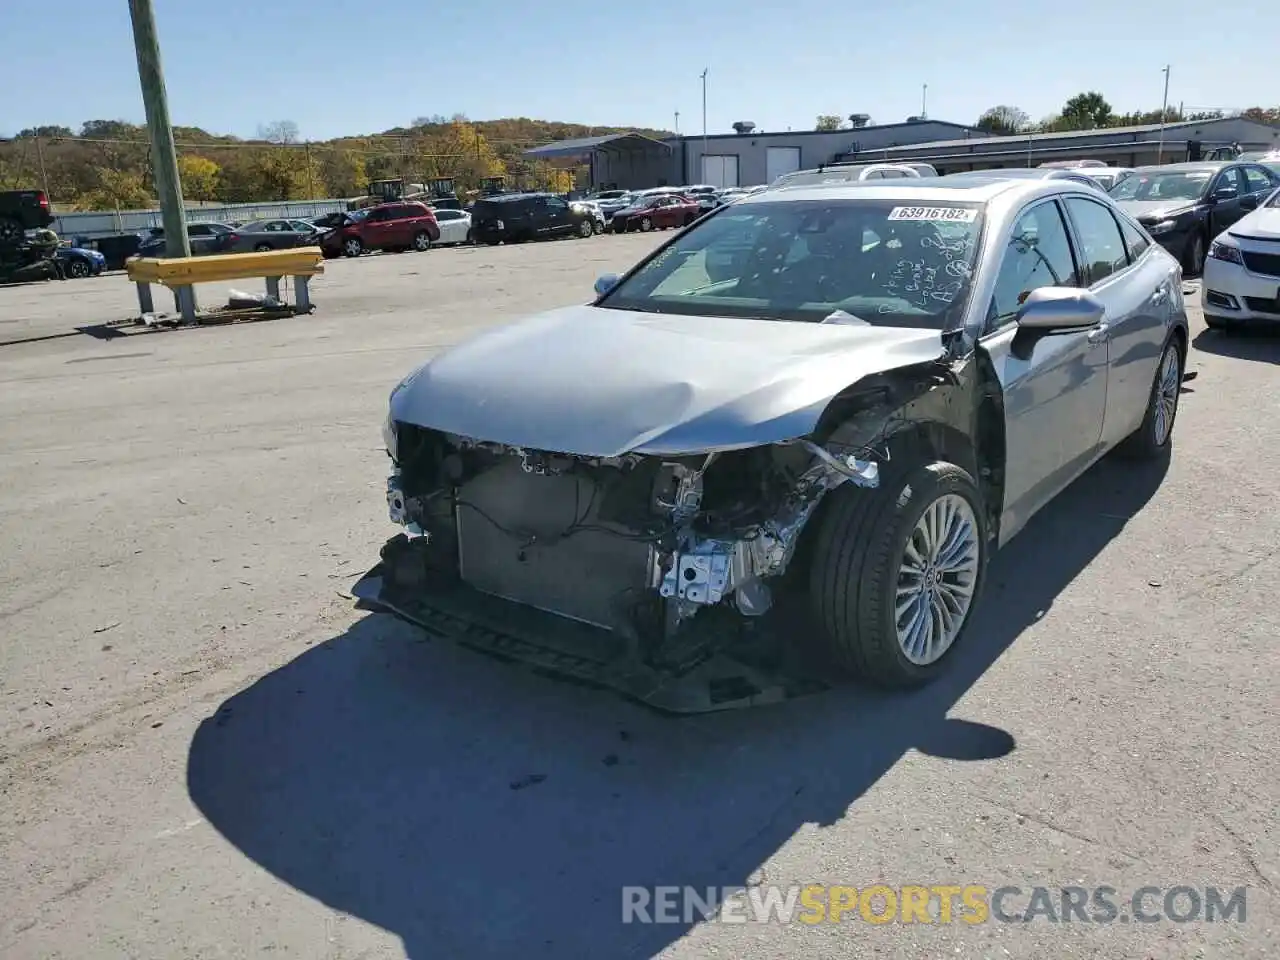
[{"x": 656, "y": 576}]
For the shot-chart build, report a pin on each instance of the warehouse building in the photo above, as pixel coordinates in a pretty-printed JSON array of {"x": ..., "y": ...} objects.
[
  {"x": 743, "y": 158},
  {"x": 1116, "y": 146}
]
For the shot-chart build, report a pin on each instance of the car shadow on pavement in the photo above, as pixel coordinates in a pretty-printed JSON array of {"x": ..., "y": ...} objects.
[
  {"x": 477, "y": 810},
  {"x": 1259, "y": 345}
]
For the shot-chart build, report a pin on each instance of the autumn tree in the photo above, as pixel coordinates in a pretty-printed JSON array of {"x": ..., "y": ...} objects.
[
  {"x": 117, "y": 190},
  {"x": 1003, "y": 120},
  {"x": 827, "y": 121},
  {"x": 199, "y": 177},
  {"x": 1262, "y": 114},
  {"x": 343, "y": 172},
  {"x": 457, "y": 150}
]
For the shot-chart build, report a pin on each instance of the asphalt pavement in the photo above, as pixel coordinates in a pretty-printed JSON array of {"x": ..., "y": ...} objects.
[{"x": 206, "y": 752}]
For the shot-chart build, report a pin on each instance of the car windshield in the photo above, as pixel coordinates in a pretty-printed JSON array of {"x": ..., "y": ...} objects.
[
  {"x": 1274, "y": 200},
  {"x": 881, "y": 262},
  {"x": 1183, "y": 185}
]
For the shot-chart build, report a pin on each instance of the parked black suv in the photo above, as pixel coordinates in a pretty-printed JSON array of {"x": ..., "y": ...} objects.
[
  {"x": 516, "y": 217},
  {"x": 20, "y": 211}
]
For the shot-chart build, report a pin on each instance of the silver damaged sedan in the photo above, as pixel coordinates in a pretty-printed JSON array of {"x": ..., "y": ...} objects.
[{"x": 809, "y": 417}]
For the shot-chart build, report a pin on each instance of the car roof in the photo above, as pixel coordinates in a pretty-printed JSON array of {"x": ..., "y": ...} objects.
[
  {"x": 955, "y": 189},
  {"x": 1191, "y": 166}
]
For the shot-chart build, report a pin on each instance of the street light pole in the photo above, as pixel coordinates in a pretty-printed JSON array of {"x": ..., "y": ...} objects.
[
  {"x": 703, "y": 173},
  {"x": 164, "y": 155},
  {"x": 924, "y": 102},
  {"x": 1164, "y": 109}
]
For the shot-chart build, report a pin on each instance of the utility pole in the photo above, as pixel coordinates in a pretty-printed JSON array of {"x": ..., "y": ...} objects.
[
  {"x": 702, "y": 174},
  {"x": 1164, "y": 109},
  {"x": 164, "y": 155},
  {"x": 44, "y": 174},
  {"x": 311, "y": 185},
  {"x": 924, "y": 102},
  {"x": 677, "y": 123}
]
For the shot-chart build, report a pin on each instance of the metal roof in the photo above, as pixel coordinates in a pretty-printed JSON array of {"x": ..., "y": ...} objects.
[
  {"x": 573, "y": 148},
  {"x": 1062, "y": 135}
]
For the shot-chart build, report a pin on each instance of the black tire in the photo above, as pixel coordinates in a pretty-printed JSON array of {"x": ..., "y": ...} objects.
[
  {"x": 262, "y": 248},
  {"x": 1154, "y": 438},
  {"x": 78, "y": 268},
  {"x": 352, "y": 247},
  {"x": 1193, "y": 255},
  {"x": 10, "y": 232},
  {"x": 585, "y": 229},
  {"x": 422, "y": 241},
  {"x": 855, "y": 570},
  {"x": 597, "y": 227},
  {"x": 646, "y": 224}
]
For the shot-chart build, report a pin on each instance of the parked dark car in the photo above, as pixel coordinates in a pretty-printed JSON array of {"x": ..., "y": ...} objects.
[
  {"x": 403, "y": 225},
  {"x": 205, "y": 239},
  {"x": 261, "y": 235},
  {"x": 517, "y": 217},
  {"x": 1185, "y": 205},
  {"x": 20, "y": 211},
  {"x": 656, "y": 211},
  {"x": 79, "y": 262},
  {"x": 116, "y": 248}
]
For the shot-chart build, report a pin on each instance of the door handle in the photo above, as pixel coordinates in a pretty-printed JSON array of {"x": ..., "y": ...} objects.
[
  {"x": 1160, "y": 295},
  {"x": 1099, "y": 334}
]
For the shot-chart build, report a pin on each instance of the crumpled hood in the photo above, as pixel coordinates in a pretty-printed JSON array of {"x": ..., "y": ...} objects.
[
  {"x": 597, "y": 382},
  {"x": 1263, "y": 224},
  {"x": 1155, "y": 209}
]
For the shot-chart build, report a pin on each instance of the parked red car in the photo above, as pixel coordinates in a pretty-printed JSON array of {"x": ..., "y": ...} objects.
[
  {"x": 659, "y": 210},
  {"x": 405, "y": 225}
]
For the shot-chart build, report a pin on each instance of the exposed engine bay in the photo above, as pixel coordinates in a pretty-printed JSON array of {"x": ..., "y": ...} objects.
[{"x": 644, "y": 547}]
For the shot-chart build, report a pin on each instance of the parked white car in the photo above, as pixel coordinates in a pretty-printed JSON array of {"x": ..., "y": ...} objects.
[
  {"x": 1241, "y": 281},
  {"x": 455, "y": 226}
]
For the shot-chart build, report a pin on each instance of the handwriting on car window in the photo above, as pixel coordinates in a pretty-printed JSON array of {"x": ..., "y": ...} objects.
[{"x": 936, "y": 276}]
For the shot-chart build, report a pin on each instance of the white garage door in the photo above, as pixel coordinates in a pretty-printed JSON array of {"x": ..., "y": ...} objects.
[
  {"x": 780, "y": 160},
  {"x": 720, "y": 171}
]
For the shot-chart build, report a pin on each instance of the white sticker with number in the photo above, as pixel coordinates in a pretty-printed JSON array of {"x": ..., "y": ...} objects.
[{"x": 937, "y": 214}]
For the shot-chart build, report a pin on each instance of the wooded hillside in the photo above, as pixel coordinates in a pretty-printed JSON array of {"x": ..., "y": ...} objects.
[{"x": 106, "y": 165}]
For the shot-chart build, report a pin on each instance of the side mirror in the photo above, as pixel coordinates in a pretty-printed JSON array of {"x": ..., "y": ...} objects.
[
  {"x": 1224, "y": 194},
  {"x": 605, "y": 283},
  {"x": 1060, "y": 309}
]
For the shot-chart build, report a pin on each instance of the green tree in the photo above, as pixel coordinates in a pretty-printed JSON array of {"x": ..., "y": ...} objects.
[
  {"x": 1085, "y": 111},
  {"x": 343, "y": 173},
  {"x": 117, "y": 190},
  {"x": 1262, "y": 114},
  {"x": 1003, "y": 120},
  {"x": 827, "y": 121}
]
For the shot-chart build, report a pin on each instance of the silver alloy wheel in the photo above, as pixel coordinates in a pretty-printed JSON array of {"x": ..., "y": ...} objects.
[
  {"x": 78, "y": 269},
  {"x": 646, "y": 224},
  {"x": 936, "y": 579},
  {"x": 421, "y": 241},
  {"x": 1165, "y": 397},
  {"x": 352, "y": 248},
  {"x": 585, "y": 229}
]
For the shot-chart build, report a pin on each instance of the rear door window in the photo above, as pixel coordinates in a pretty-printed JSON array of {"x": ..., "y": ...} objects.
[{"x": 1103, "y": 247}]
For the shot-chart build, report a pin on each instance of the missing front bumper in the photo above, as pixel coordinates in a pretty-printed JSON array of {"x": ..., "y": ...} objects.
[{"x": 580, "y": 652}]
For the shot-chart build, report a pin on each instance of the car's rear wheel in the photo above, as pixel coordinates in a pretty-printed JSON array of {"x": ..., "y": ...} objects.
[
  {"x": 262, "y": 248},
  {"x": 585, "y": 229},
  {"x": 896, "y": 572},
  {"x": 422, "y": 241},
  {"x": 1155, "y": 437},
  {"x": 77, "y": 268},
  {"x": 352, "y": 247},
  {"x": 1193, "y": 255},
  {"x": 10, "y": 231}
]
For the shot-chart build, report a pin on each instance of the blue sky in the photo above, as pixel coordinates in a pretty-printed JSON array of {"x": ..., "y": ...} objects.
[{"x": 338, "y": 67}]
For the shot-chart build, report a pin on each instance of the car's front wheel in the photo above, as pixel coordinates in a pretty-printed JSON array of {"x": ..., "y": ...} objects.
[
  {"x": 896, "y": 572},
  {"x": 1155, "y": 437},
  {"x": 352, "y": 247},
  {"x": 585, "y": 229},
  {"x": 646, "y": 224},
  {"x": 77, "y": 268},
  {"x": 422, "y": 241}
]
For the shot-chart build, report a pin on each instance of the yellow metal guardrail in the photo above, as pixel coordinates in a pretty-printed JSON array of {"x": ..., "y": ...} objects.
[
  {"x": 180, "y": 274},
  {"x": 182, "y": 271}
]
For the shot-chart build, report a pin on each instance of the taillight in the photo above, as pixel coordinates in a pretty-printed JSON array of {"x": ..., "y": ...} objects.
[
  {"x": 44, "y": 200},
  {"x": 233, "y": 237}
]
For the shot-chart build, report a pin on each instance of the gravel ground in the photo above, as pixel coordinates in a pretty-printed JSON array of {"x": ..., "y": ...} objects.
[{"x": 208, "y": 753}]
